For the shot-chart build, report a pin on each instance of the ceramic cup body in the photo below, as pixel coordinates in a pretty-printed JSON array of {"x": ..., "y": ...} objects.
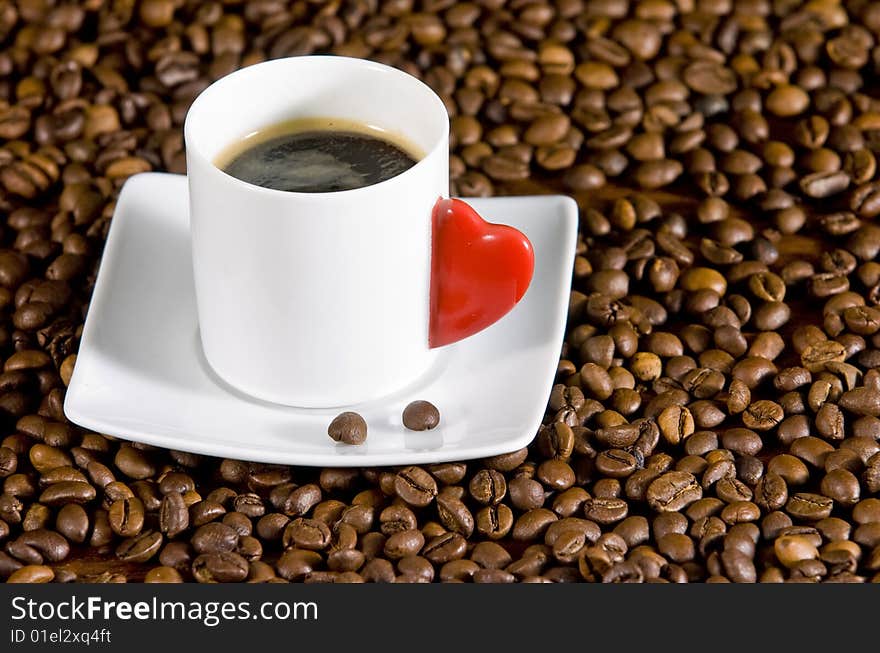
[{"x": 315, "y": 299}]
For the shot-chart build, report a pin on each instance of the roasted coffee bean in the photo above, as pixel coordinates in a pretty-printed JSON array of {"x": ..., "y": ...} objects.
[
  {"x": 532, "y": 524},
  {"x": 140, "y": 548},
  {"x": 396, "y": 518},
  {"x": 596, "y": 381},
  {"x": 176, "y": 482},
  {"x": 673, "y": 491},
  {"x": 301, "y": 500},
  {"x": 32, "y": 574},
  {"x": 490, "y": 555},
  {"x": 45, "y": 458},
  {"x": 44, "y": 543},
  {"x": 163, "y": 575},
  {"x": 676, "y": 423},
  {"x": 203, "y": 512},
  {"x": 824, "y": 184},
  {"x": 249, "y": 504},
  {"x": 176, "y": 554},
  {"x": 173, "y": 514},
  {"x": 67, "y": 492},
  {"x": 416, "y": 566},
  {"x": 742, "y": 441},
  {"x": 862, "y": 401},
  {"x": 455, "y": 516},
  {"x": 72, "y": 522},
  {"x": 348, "y": 428},
  {"x": 526, "y": 493},
  {"x": 220, "y": 567},
  {"x": 404, "y": 543},
  {"x": 607, "y": 488},
  {"x": 605, "y": 510},
  {"x": 126, "y": 516},
  {"x": 445, "y": 548},
  {"x": 867, "y": 511},
  {"x": 816, "y": 356},
  {"x": 420, "y": 416},
  {"x": 239, "y": 522},
  {"x": 763, "y": 415},
  {"x": 557, "y": 441},
  {"x": 134, "y": 463},
  {"x": 616, "y": 463},
  {"x": 771, "y": 492},
  {"x": 488, "y": 486},
  {"x": 494, "y": 522},
  {"x": 842, "y": 486},
  {"x": 304, "y": 533},
  {"x": 808, "y": 506},
  {"x": 556, "y": 474},
  {"x": 295, "y": 563},
  {"x": 622, "y": 435},
  {"x": 865, "y": 200},
  {"x": 415, "y": 486},
  {"x": 214, "y": 537}
]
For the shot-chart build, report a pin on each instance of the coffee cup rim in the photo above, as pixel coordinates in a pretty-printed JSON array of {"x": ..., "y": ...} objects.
[{"x": 205, "y": 96}]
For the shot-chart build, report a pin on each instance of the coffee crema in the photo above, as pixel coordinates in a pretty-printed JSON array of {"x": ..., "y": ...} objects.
[{"x": 318, "y": 155}]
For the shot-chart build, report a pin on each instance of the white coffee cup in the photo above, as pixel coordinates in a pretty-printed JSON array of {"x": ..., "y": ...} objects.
[{"x": 316, "y": 299}]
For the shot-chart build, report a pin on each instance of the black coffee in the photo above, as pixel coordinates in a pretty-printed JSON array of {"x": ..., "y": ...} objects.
[{"x": 319, "y": 161}]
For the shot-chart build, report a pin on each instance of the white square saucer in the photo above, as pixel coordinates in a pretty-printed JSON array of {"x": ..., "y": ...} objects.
[{"x": 141, "y": 374}]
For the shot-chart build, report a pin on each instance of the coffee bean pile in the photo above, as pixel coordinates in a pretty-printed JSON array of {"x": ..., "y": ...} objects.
[{"x": 717, "y": 409}]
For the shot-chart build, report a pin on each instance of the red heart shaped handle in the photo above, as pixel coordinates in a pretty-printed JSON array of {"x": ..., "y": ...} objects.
[{"x": 479, "y": 271}]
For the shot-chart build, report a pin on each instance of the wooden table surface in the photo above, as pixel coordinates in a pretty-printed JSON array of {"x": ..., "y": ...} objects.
[{"x": 101, "y": 565}]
